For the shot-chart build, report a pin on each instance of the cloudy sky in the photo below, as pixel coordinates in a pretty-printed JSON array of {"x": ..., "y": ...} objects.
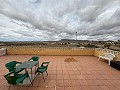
[{"x": 41, "y": 20}]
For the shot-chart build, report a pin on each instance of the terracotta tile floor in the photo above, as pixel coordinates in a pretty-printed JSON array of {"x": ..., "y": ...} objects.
[{"x": 86, "y": 74}]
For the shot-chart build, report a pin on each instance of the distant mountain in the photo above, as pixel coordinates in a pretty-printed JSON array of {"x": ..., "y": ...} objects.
[
  {"x": 73, "y": 40},
  {"x": 67, "y": 40}
]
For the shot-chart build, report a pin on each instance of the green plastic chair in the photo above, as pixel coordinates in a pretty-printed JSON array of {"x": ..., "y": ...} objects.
[
  {"x": 34, "y": 58},
  {"x": 43, "y": 68},
  {"x": 16, "y": 79},
  {"x": 11, "y": 66}
]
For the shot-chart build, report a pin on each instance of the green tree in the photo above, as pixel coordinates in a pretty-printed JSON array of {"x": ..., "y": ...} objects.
[{"x": 107, "y": 45}]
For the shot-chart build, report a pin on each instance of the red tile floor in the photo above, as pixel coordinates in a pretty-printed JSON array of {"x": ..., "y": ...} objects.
[{"x": 86, "y": 74}]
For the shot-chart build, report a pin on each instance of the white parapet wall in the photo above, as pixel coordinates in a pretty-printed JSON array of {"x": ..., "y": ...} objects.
[
  {"x": 3, "y": 51},
  {"x": 38, "y": 50},
  {"x": 49, "y": 50}
]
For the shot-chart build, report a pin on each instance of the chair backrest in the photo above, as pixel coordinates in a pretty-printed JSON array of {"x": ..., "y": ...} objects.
[
  {"x": 10, "y": 65},
  {"x": 15, "y": 79},
  {"x": 35, "y": 58},
  {"x": 10, "y": 79},
  {"x": 45, "y": 64}
]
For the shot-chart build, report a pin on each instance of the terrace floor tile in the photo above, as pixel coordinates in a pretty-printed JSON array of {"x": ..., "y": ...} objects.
[{"x": 82, "y": 73}]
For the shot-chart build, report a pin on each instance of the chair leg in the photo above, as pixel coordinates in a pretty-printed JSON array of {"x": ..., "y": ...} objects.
[
  {"x": 46, "y": 73},
  {"x": 35, "y": 68},
  {"x": 98, "y": 59},
  {"x": 43, "y": 77},
  {"x": 38, "y": 64},
  {"x": 20, "y": 86},
  {"x": 30, "y": 81},
  {"x": 109, "y": 62},
  {"x": 9, "y": 87}
]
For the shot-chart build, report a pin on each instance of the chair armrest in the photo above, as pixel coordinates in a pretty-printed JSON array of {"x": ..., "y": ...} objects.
[
  {"x": 9, "y": 74},
  {"x": 30, "y": 59},
  {"x": 18, "y": 62},
  {"x": 46, "y": 62}
]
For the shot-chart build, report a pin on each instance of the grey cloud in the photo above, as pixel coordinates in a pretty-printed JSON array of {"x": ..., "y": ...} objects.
[
  {"x": 46, "y": 18},
  {"x": 24, "y": 33}
]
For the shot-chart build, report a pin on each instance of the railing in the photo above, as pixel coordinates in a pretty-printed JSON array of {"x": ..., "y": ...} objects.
[
  {"x": 99, "y": 51},
  {"x": 108, "y": 51}
]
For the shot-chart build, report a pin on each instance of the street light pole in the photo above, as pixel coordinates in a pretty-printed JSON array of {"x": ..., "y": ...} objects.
[{"x": 76, "y": 35}]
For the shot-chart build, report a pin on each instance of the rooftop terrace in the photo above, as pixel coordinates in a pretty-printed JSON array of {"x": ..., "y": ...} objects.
[{"x": 83, "y": 73}]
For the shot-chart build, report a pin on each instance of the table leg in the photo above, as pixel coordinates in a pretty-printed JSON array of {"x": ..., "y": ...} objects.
[{"x": 31, "y": 75}]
